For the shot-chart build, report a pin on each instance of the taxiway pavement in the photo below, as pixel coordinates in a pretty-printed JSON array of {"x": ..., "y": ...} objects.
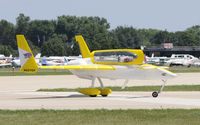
[
  {"x": 19, "y": 92},
  {"x": 117, "y": 100}
]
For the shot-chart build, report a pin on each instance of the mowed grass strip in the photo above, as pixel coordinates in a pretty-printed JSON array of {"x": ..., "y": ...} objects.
[
  {"x": 135, "y": 88},
  {"x": 184, "y": 69},
  {"x": 100, "y": 117}
]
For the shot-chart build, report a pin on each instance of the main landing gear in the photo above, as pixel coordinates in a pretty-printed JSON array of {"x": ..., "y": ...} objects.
[
  {"x": 155, "y": 94},
  {"x": 93, "y": 92}
]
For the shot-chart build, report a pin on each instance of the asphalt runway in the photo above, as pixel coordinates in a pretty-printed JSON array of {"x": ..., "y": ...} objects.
[{"x": 19, "y": 92}]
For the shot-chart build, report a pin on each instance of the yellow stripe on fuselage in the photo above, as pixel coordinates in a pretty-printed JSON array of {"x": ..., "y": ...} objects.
[{"x": 98, "y": 67}]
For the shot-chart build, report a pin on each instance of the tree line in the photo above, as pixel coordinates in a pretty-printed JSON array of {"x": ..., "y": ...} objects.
[{"x": 56, "y": 37}]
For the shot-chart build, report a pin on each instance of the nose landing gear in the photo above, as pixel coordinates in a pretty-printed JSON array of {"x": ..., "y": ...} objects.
[{"x": 155, "y": 94}]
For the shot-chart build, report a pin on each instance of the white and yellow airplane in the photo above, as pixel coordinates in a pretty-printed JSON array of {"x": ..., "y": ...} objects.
[{"x": 109, "y": 64}]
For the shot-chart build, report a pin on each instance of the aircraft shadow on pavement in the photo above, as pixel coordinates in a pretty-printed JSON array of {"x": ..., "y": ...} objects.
[
  {"x": 131, "y": 97},
  {"x": 86, "y": 96},
  {"x": 56, "y": 97}
]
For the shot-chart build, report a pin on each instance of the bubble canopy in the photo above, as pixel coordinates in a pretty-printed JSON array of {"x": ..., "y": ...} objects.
[{"x": 114, "y": 56}]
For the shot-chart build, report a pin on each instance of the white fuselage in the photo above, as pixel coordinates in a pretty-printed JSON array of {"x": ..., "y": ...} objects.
[{"x": 121, "y": 72}]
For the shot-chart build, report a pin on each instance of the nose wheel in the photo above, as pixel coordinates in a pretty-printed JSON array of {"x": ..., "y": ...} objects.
[
  {"x": 155, "y": 94},
  {"x": 104, "y": 95}
]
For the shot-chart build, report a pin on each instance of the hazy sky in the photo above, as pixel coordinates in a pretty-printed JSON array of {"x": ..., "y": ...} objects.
[{"x": 172, "y": 15}]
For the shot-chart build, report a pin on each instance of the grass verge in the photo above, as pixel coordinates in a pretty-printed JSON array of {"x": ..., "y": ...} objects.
[
  {"x": 184, "y": 69},
  {"x": 135, "y": 88},
  {"x": 100, "y": 117}
]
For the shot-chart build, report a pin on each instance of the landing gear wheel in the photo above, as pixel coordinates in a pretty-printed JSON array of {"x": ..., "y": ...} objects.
[
  {"x": 104, "y": 95},
  {"x": 155, "y": 94},
  {"x": 93, "y": 95}
]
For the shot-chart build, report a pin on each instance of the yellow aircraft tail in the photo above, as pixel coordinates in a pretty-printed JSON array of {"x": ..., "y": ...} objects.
[
  {"x": 83, "y": 47},
  {"x": 27, "y": 60}
]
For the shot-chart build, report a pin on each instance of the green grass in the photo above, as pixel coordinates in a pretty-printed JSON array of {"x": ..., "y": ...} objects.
[
  {"x": 184, "y": 69},
  {"x": 100, "y": 117},
  {"x": 135, "y": 88}
]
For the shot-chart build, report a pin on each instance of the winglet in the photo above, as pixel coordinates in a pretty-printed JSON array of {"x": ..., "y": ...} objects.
[
  {"x": 27, "y": 60},
  {"x": 83, "y": 47}
]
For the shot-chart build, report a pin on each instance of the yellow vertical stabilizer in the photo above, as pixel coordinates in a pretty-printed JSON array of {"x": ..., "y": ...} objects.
[
  {"x": 83, "y": 47},
  {"x": 27, "y": 60}
]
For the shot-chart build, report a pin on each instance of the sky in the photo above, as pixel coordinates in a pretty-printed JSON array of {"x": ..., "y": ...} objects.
[{"x": 170, "y": 15}]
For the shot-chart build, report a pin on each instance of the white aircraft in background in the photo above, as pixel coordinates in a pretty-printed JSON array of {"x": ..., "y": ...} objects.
[
  {"x": 5, "y": 61},
  {"x": 54, "y": 62},
  {"x": 109, "y": 64},
  {"x": 70, "y": 58},
  {"x": 16, "y": 60},
  {"x": 1, "y": 56},
  {"x": 58, "y": 60},
  {"x": 182, "y": 60}
]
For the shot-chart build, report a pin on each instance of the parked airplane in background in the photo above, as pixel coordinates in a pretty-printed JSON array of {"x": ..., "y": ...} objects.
[
  {"x": 5, "y": 61},
  {"x": 54, "y": 62},
  {"x": 109, "y": 64},
  {"x": 16, "y": 60},
  {"x": 174, "y": 60},
  {"x": 159, "y": 61},
  {"x": 182, "y": 60},
  {"x": 58, "y": 60},
  {"x": 4, "y": 57},
  {"x": 1, "y": 56}
]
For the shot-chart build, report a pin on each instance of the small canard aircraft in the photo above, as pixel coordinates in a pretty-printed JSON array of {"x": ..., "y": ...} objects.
[{"x": 109, "y": 64}]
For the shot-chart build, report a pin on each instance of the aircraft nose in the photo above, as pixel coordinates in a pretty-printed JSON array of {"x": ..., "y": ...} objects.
[{"x": 173, "y": 75}]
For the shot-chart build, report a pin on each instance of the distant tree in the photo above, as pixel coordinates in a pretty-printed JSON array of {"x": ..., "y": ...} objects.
[
  {"x": 146, "y": 35},
  {"x": 160, "y": 37},
  {"x": 128, "y": 37},
  {"x": 187, "y": 39},
  {"x": 40, "y": 31},
  {"x": 7, "y": 34},
  {"x": 53, "y": 47},
  {"x": 194, "y": 30},
  {"x": 7, "y": 50},
  {"x": 55, "y": 37},
  {"x": 22, "y": 24},
  {"x": 94, "y": 30}
]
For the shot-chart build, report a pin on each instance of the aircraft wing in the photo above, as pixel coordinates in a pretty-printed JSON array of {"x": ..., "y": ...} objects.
[
  {"x": 148, "y": 66},
  {"x": 98, "y": 67},
  {"x": 7, "y": 64}
]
